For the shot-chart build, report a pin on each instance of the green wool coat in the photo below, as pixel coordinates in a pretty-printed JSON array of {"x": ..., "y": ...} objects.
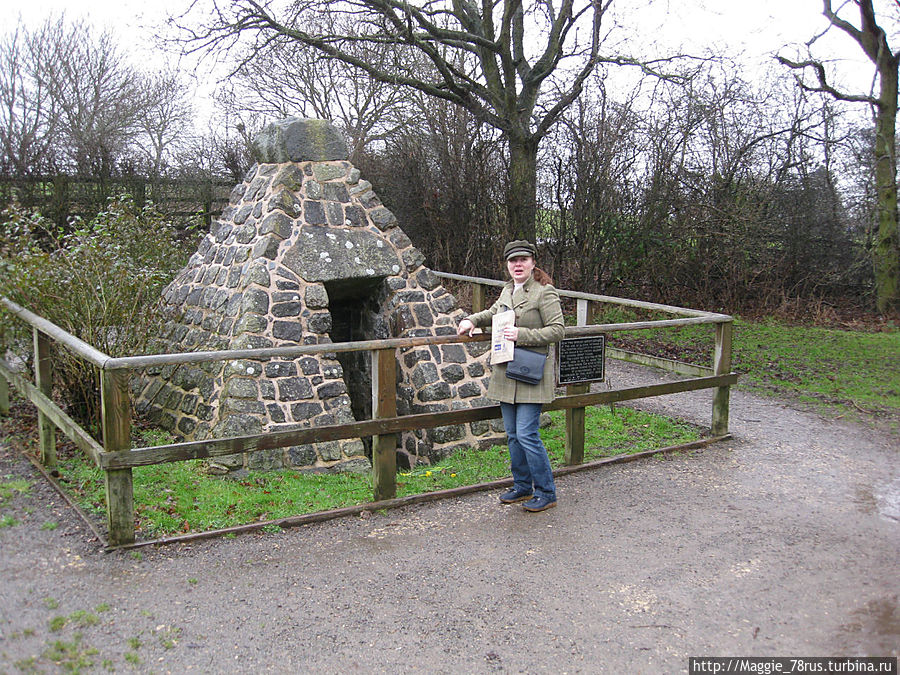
[{"x": 540, "y": 321}]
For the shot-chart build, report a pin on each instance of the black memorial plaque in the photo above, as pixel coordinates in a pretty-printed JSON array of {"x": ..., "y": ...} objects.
[{"x": 581, "y": 360}]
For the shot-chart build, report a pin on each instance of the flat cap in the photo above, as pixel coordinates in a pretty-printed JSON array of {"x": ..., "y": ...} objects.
[{"x": 518, "y": 247}]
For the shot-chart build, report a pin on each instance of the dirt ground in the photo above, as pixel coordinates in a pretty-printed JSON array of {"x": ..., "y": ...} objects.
[{"x": 782, "y": 542}]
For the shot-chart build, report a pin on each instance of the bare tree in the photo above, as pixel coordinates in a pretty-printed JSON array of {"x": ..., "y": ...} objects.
[
  {"x": 286, "y": 79},
  {"x": 872, "y": 39},
  {"x": 98, "y": 95},
  {"x": 28, "y": 116},
  {"x": 513, "y": 66},
  {"x": 164, "y": 119}
]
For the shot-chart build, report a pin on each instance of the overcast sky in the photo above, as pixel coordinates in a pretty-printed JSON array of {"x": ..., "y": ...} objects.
[{"x": 757, "y": 28}]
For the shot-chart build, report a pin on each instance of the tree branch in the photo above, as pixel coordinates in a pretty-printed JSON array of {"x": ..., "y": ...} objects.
[{"x": 823, "y": 86}]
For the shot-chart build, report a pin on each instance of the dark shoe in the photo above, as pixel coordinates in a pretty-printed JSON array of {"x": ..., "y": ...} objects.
[
  {"x": 514, "y": 495},
  {"x": 536, "y": 504}
]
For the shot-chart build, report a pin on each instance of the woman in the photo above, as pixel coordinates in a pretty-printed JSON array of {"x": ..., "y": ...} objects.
[{"x": 539, "y": 322}]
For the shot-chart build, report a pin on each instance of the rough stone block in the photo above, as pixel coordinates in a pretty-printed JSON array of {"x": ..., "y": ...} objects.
[
  {"x": 355, "y": 465},
  {"x": 453, "y": 373},
  {"x": 287, "y": 330},
  {"x": 424, "y": 373},
  {"x": 299, "y": 140},
  {"x": 276, "y": 414},
  {"x": 320, "y": 323},
  {"x": 453, "y": 353},
  {"x": 241, "y": 387},
  {"x": 302, "y": 455},
  {"x": 294, "y": 389},
  {"x": 447, "y": 434},
  {"x": 291, "y": 177},
  {"x": 255, "y": 300},
  {"x": 314, "y": 213},
  {"x": 266, "y": 247},
  {"x": 278, "y": 223},
  {"x": 265, "y": 460},
  {"x": 331, "y": 389},
  {"x": 329, "y": 451},
  {"x": 468, "y": 390},
  {"x": 285, "y": 309},
  {"x": 280, "y": 369},
  {"x": 305, "y": 411},
  {"x": 439, "y": 391},
  {"x": 238, "y": 425}
]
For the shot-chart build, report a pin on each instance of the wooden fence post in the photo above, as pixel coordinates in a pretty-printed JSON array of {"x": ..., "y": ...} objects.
[
  {"x": 116, "y": 405},
  {"x": 574, "y": 450},
  {"x": 721, "y": 366},
  {"x": 477, "y": 297},
  {"x": 4, "y": 396},
  {"x": 384, "y": 404},
  {"x": 43, "y": 379}
]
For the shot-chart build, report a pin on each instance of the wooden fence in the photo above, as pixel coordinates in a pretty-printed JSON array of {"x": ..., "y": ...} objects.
[
  {"x": 61, "y": 196},
  {"x": 117, "y": 458}
]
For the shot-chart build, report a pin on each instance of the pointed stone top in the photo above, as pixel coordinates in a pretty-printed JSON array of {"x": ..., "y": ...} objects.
[{"x": 296, "y": 139}]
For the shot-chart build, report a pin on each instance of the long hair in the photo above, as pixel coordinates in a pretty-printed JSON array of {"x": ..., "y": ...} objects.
[{"x": 541, "y": 276}]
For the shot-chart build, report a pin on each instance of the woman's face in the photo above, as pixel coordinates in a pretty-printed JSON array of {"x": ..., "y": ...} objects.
[{"x": 520, "y": 268}]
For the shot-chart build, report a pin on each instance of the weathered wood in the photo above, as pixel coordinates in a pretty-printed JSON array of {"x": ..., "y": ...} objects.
[
  {"x": 581, "y": 312},
  {"x": 69, "y": 427},
  {"x": 478, "y": 297},
  {"x": 177, "y": 452},
  {"x": 116, "y": 407},
  {"x": 137, "y": 362},
  {"x": 384, "y": 404},
  {"x": 596, "y": 329},
  {"x": 625, "y": 302},
  {"x": 574, "y": 446},
  {"x": 574, "y": 449},
  {"x": 4, "y": 396},
  {"x": 409, "y": 500},
  {"x": 75, "y": 345},
  {"x": 721, "y": 364},
  {"x": 671, "y": 365},
  {"x": 632, "y": 393},
  {"x": 43, "y": 379}
]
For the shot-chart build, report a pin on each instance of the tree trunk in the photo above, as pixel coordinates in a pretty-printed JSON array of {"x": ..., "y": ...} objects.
[
  {"x": 886, "y": 255},
  {"x": 521, "y": 200}
]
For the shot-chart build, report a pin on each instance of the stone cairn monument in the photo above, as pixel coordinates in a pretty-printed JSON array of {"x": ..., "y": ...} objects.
[{"x": 305, "y": 253}]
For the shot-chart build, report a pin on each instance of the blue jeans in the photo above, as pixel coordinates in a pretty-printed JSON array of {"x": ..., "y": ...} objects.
[{"x": 528, "y": 458}]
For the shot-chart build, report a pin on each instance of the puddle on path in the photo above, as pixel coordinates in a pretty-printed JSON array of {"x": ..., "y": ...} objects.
[
  {"x": 883, "y": 499},
  {"x": 874, "y": 629}
]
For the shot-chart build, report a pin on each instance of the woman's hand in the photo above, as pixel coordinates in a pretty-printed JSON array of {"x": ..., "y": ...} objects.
[
  {"x": 511, "y": 333},
  {"x": 465, "y": 326}
]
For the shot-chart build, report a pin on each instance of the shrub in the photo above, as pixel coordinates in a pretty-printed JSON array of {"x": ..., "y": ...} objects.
[{"x": 100, "y": 281}]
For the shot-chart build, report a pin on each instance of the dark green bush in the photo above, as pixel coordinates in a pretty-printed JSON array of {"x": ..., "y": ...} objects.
[{"x": 101, "y": 282}]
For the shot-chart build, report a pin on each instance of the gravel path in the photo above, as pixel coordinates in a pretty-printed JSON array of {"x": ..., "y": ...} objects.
[{"x": 782, "y": 542}]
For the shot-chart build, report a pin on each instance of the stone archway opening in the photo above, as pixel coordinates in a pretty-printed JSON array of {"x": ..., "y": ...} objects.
[{"x": 356, "y": 315}]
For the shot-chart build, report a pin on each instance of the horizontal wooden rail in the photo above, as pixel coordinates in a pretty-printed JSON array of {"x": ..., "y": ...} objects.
[
  {"x": 137, "y": 362},
  {"x": 410, "y": 500},
  {"x": 177, "y": 452},
  {"x": 78, "y": 346},
  {"x": 632, "y": 393},
  {"x": 673, "y": 366},
  {"x": 578, "y": 295},
  {"x": 70, "y": 427}
]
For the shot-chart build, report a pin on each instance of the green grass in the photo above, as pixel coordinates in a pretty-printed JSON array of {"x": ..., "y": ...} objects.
[
  {"x": 850, "y": 371},
  {"x": 180, "y": 497},
  {"x": 10, "y": 487}
]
